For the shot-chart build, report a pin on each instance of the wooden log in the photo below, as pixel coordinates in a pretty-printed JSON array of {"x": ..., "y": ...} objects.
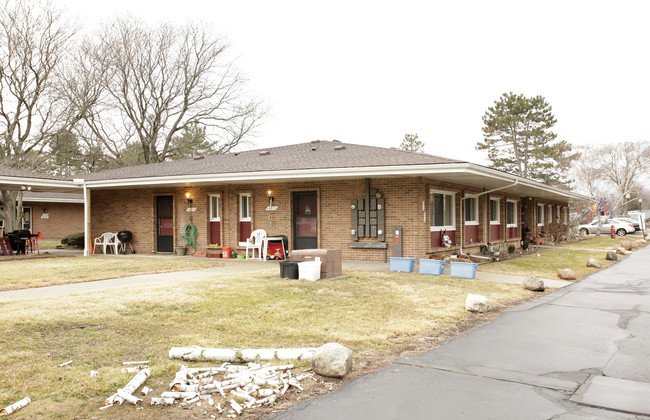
[
  {"x": 199, "y": 354},
  {"x": 186, "y": 388},
  {"x": 128, "y": 397},
  {"x": 264, "y": 392},
  {"x": 241, "y": 395},
  {"x": 130, "y": 388},
  {"x": 268, "y": 400},
  {"x": 137, "y": 381},
  {"x": 15, "y": 406},
  {"x": 162, "y": 401},
  {"x": 145, "y": 391},
  {"x": 178, "y": 395},
  {"x": 235, "y": 406}
]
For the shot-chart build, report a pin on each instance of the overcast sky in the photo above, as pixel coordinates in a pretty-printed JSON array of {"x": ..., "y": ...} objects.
[{"x": 369, "y": 72}]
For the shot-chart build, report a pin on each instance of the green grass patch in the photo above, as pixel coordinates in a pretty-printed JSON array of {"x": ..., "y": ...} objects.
[
  {"x": 373, "y": 313},
  {"x": 599, "y": 242},
  {"x": 546, "y": 261}
]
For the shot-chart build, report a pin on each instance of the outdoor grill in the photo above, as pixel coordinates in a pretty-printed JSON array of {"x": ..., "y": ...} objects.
[{"x": 125, "y": 237}]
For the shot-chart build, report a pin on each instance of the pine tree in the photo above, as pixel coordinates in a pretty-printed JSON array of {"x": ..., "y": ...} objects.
[
  {"x": 411, "y": 143},
  {"x": 519, "y": 139}
]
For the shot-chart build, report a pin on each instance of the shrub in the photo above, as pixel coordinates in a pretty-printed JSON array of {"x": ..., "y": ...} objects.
[
  {"x": 74, "y": 239},
  {"x": 511, "y": 249},
  {"x": 525, "y": 245}
]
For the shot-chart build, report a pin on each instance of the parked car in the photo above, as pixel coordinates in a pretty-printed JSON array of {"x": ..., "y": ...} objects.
[
  {"x": 635, "y": 223},
  {"x": 620, "y": 227}
]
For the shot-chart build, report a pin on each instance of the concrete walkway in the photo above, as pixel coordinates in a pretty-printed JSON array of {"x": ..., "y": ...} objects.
[
  {"x": 580, "y": 352},
  {"x": 233, "y": 266}
]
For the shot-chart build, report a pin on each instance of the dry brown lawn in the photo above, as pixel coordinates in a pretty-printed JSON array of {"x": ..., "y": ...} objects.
[
  {"x": 378, "y": 315},
  {"x": 30, "y": 272}
]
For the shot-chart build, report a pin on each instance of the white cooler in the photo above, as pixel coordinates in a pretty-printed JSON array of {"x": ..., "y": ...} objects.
[{"x": 309, "y": 270}]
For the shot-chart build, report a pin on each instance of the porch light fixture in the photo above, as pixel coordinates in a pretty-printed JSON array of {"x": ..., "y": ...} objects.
[
  {"x": 189, "y": 200},
  {"x": 269, "y": 192}
]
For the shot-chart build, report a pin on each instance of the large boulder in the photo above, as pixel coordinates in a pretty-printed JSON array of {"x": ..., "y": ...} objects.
[
  {"x": 566, "y": 274},
  {"x": 620, "y": 250},
  {"x": 626, "y": 245},
  {"x": 332, "y": 360},
  {"x": 533, "y": 283},
  {"x": 476, "y": 303},
  {"x": 611, "y": 255},
  {"x": 593, "y": 263},
  {"x": 640, "y": 243}
]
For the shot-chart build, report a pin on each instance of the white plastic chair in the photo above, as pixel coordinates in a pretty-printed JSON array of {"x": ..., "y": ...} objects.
[
  {"x": 258, "y": 242},
  {"x": 106, "y": 240}
]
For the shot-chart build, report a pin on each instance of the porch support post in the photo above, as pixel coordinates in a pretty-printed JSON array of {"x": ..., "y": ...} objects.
[{"x": 87, "y": 238}]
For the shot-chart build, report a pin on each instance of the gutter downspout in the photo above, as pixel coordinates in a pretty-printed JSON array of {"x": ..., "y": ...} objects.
[{"x": 462, "y": 209}]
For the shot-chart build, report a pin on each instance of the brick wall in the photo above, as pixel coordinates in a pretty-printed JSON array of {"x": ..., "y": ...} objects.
[
  {"x": 114, "y": 210},
  {"x": 62, "y": 218}
]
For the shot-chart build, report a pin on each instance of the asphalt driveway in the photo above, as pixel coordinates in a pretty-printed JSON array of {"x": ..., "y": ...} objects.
[{"x": 579, "y": 352}]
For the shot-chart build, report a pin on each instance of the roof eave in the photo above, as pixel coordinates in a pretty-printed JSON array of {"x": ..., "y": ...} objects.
[{"x": 331, "y": 173}]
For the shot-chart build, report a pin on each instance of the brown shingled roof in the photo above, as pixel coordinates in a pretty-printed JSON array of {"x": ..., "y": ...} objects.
[
  {"x": 22, "y": 173},
  {"x": 319, "y": 154}
]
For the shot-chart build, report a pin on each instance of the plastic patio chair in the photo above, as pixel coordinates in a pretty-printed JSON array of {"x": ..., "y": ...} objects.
[
  {"x": 106, "y": 240},
  {"x": 258, "y": 242}
]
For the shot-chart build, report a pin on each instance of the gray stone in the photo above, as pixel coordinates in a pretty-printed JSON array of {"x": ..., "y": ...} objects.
[
  {"x": 533, "y": 283},
  {"x": 611, "y": 255},
  {"x": 476, "y": 303},
  {"x": 332, "y": 360},
  {"x": 593, "y": 263},
  {"x": 620, "y": 250},
  {"x": 566, "y": 274}
]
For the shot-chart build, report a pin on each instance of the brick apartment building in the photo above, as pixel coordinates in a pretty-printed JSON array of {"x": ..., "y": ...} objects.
[
  {"x": 54, "y": 214},
  {"x": 322, "y": 194},
  {"x": 51, "y": 205}
]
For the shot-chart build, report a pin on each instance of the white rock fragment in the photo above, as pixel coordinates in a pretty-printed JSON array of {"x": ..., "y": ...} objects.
[
  {"x": 332, "y": 360},
  {"x": 476, "y": 303}
]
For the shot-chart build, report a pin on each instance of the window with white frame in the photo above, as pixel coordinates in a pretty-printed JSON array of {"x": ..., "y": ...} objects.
[
  {"x": 495, "y": 211},
  {"x": 471, "y": 211},
  {"x": 540, "y": 215},
  {"x": 443, "y": 211},
  {"x": 215, "y": 211},
  {"x": 550, "y": 214},
  {"x": 511, "y": 213},
  {"x": 245, "y": 207}
]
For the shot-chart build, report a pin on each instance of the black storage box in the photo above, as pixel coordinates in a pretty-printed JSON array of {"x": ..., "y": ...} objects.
[{"x": 289, "y": 270}]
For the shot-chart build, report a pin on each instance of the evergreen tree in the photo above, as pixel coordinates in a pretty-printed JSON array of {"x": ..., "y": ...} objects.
[
  {"x": 411, "y": 143},
  {"x": 519, "y": 139}
]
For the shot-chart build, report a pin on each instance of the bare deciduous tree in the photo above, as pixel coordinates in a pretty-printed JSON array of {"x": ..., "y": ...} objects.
[
  {"x": 33, "y": 41},
  {"x": 155, "y": 82},
  {"x": 613, "y": 171}
]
